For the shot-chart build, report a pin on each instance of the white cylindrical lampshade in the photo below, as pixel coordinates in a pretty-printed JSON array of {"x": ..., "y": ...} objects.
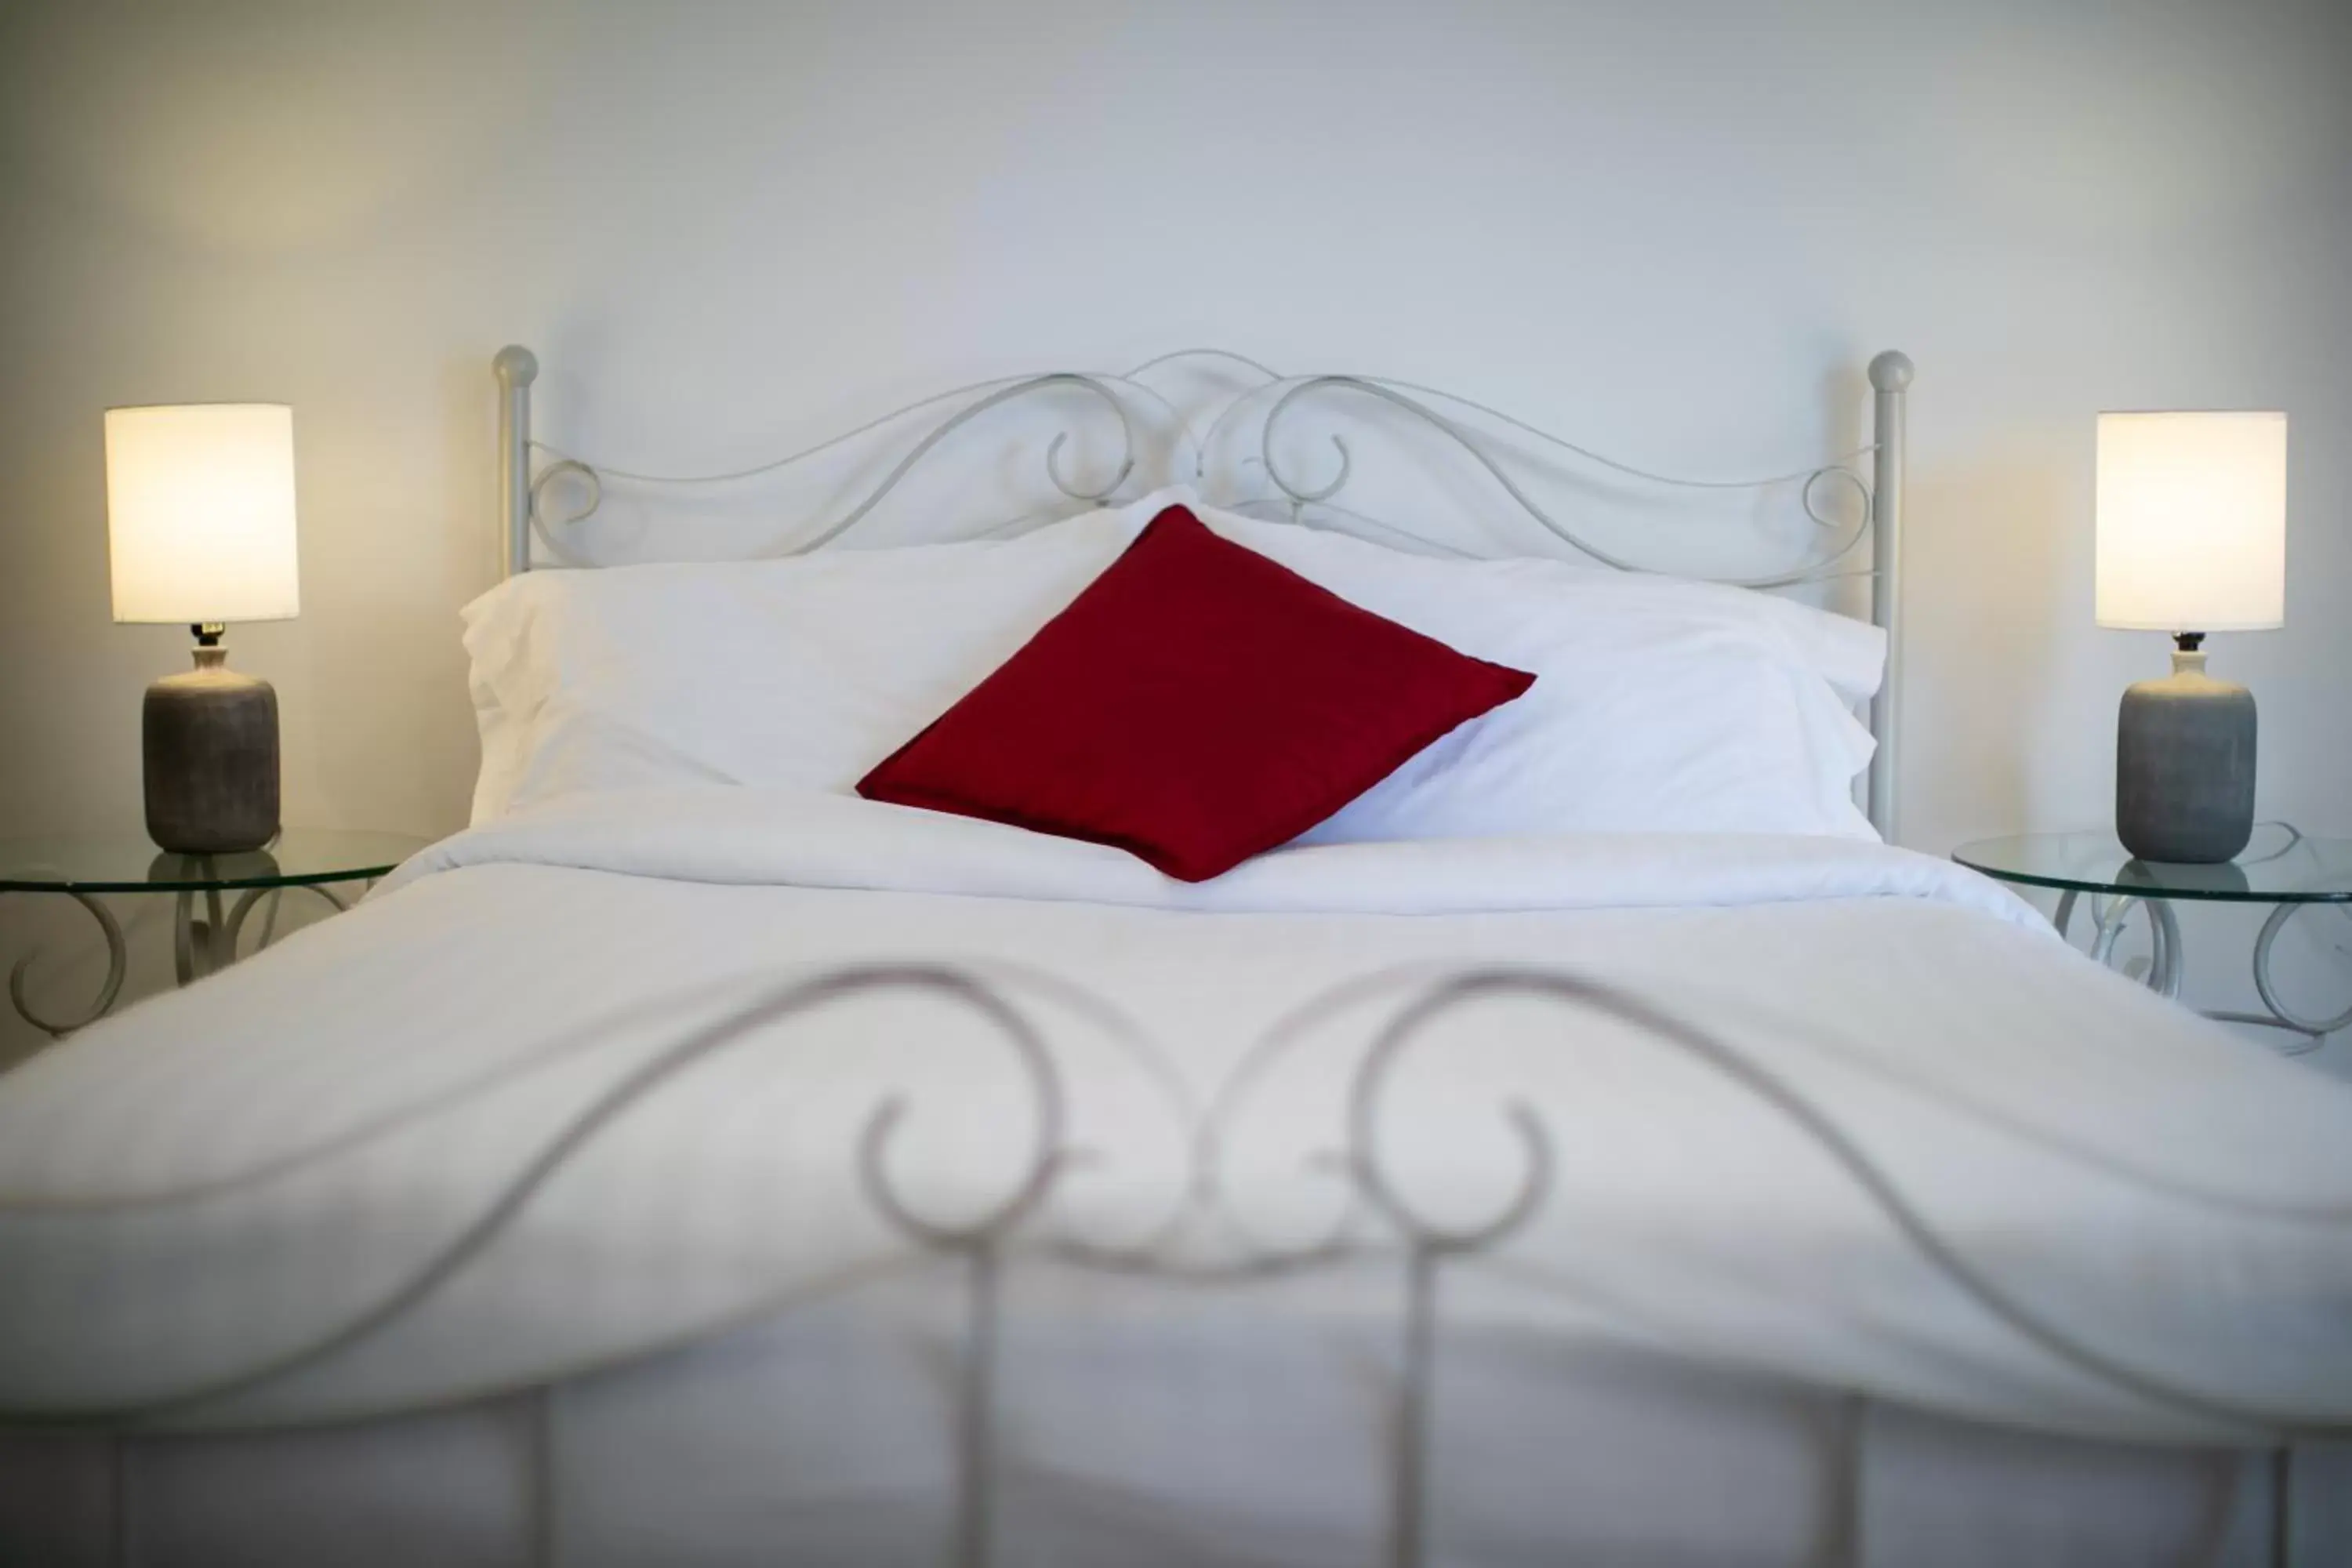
[
  {"x": 2192, "y": 522},
  {"x": 200, "y": 512}
]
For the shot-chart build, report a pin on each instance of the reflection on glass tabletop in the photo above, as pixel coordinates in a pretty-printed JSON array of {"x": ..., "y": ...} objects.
[
  {"x": 129, "y": 863},
  {"x": 2280, "y": 866}
]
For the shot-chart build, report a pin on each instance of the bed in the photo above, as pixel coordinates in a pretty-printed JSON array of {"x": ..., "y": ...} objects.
[{"x": 695, "y": 1162}]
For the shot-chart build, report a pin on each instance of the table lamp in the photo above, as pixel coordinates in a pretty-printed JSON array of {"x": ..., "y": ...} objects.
[
  {"x": 2192, "y": 540},
  {"x": 199, "y": 531}
]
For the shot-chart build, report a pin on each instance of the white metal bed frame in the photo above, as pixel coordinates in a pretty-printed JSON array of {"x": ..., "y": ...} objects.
[
  {"x": 523, "y": 491},
  {"x": 1372, "y": 1194}
]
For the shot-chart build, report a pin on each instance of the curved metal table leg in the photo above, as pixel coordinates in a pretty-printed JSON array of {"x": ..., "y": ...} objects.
[
  {"x": 2163, "y": 929},
  {"x": 2164, "y": 973},
  {"x": 2278, "y": 1015},
  {"x": 2109, "y": 925},
  {"x": 244, "y": 907},
  {"x": 235, "y": 930},
  {"x": 2163, "y": 969},
  {"x": 190, "y": 943},
  {"x": 200, "y": 947},
  {"x": 118, "y": 957}
]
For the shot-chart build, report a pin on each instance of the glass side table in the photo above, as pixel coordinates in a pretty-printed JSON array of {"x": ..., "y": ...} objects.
[
  {"x": 321, "y": 859},
  {"x": 2282, "y": 867}
]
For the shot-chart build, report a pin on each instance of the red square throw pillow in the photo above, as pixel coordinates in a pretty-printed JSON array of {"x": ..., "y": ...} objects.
[{"x": 1197, "y": 704}]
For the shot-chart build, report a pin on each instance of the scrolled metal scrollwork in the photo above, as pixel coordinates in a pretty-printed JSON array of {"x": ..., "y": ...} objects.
[
  {"x": 1209, "y": 1201},
  {"x": 2111, "y": 912},
  {"x": 1944, "y": 1255},
  {"x": 1301, "y": 492},
  {"x": 1410, "y": 1006},
  {"x": 1046, "y": 1153},
  {"x": 2266, "y": 987},
  {"x": 1298, "y": 492},
  {"x": 1428, "y": 1242},
  {"x": 199, "y": 947},
  {"x": 1101, "y": 493},
  {"x": 906, "y": 465},
  {"x": 110, "y": 990},
  {"x": 985, "y": 396},
  {"x": 2277, "y": 1015},
  {"x": 585, "y": 1126},
  {"x": 1861, "y": 492},
  {"x": 979, "y": 1241},
  {"x": 1364, "y": 1158},
  {"x": 562, "y": 468}
]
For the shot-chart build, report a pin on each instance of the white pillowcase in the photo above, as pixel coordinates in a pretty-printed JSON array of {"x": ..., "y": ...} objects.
[
  {"x": 801, "y": 672},
  {"x": 1660, "y": 705}
]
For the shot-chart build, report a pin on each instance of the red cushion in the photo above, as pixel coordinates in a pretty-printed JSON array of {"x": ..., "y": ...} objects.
[{"x": 1195, "y": 705}]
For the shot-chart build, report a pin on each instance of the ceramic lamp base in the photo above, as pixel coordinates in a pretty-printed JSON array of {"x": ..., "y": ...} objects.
[
  {"x": 2185, "y": 765},
  {"x": 210, "y": 741}
]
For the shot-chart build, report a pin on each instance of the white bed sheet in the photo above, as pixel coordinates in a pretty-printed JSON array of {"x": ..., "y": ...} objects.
[{"x": 340, "y": 1106}]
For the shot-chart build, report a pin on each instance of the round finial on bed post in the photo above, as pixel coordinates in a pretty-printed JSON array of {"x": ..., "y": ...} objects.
[
  {"x": 1891, "y": 371},
  {"x": 515, "y": 366}
]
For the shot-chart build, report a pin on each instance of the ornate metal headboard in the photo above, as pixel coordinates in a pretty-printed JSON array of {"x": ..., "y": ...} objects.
[{"x": 1157, "y": 438}]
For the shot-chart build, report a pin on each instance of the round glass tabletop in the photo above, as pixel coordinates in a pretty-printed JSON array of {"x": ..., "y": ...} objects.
[
  {"x": 2280, "y": 866},
  {"x": 126, "y": 863}
]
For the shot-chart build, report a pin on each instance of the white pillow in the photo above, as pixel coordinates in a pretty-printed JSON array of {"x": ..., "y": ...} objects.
[
  {"x": 801, "y": 672},
  {"x": 1660, "y": 705}
]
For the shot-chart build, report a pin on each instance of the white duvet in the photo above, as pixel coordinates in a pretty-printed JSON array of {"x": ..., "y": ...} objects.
[{"x": 213, "y": 1209}]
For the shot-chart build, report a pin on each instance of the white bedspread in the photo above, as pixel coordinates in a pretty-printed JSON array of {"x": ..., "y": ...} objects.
[{"x": 196, "y": 1195}]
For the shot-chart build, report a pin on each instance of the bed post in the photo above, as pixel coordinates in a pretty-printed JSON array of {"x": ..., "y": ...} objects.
[
  {"x": 515, "y": 369},
  {"x": 1890, "y": 375}
]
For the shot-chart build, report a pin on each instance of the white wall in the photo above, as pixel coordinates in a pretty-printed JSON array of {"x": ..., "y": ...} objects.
[{"x": 1676, "y": 230}]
